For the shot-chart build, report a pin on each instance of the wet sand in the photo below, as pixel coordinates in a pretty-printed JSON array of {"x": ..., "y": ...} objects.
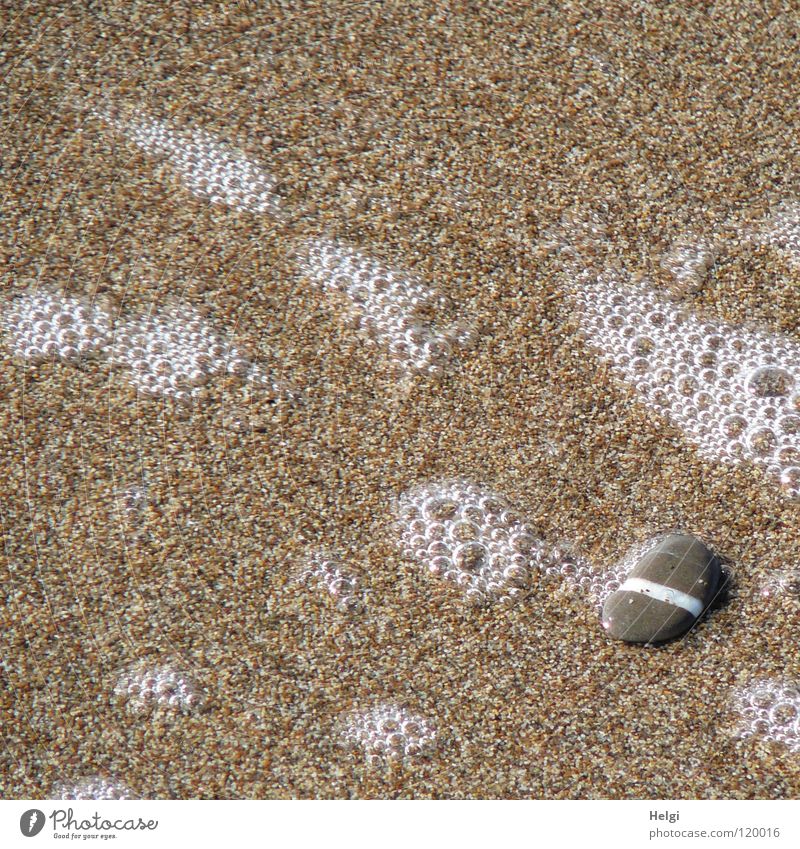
[{"x": 447, "y": 142}]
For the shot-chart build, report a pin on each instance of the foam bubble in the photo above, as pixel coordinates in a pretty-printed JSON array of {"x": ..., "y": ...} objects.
[
  {"x": 783, "y": 584},
  {"x": 770, "y": 710},
  {"x": 174, "y": 352},
  {"x": 327, "y": 572},
  {"x": 49, "y": 325},
  {"x": 688, "y": 261},
  {"x": 93, "y": 788},
  {"x": 471, "y": 536},
  {"x": 388, "y": 304},
  {"x": 146, "y": 687},
  {"x": 389, "y": 733},
  {"x": 734, "y": 391},
  {"x": 208, "y": 168}
]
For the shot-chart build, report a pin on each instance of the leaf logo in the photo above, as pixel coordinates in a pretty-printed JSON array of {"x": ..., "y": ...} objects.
[{"x": 31, "y": 822}]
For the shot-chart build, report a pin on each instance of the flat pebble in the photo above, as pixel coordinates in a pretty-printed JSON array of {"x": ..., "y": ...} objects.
[{"x": 665, "y": 593}]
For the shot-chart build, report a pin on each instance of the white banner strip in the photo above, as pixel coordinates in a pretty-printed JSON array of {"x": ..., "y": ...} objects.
[{"x": 387, "y": 824}]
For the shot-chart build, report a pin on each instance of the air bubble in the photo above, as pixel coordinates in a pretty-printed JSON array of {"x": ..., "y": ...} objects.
[
  {"x": 389, "y": 311},
  {"x": 731, "y": 390},
  {"x": 783, "y": 714},
  {"x": 762, "y": 441},
  {"x": 326, "y": 571},
  {"x": 389, "y": 733},
  {"x": 770, "y": 382},
  {"x": 144, "y": 688},
  {"x": 770, "y": 709},
  {"x": 96, "y": 788},
  {"x": 207, "y": 168},
  {"x": 789, "y": 424},
  {"x": 790, "y": 479},
  {"x": 497, "y": 560},
  {"x": 470, "y": 556}
]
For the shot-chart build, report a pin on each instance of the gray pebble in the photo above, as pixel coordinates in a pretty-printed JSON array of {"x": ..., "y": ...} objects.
[{"x": 665, "y": 593}]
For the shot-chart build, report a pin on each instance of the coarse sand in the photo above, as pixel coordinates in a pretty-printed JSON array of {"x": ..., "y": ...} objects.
[{"x": 461, "y": 143}]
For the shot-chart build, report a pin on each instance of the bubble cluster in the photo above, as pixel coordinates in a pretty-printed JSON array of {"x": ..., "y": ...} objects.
[
  {"x": 770, "y": 710},
  {"x": 145, "y": 688},
  {"x": 735, "y": 392},
  {"x": 688, "y": 261},
  {"x": 389, "y": 733},
  {"x": 328, "y": 572},
  {"x": 470, "y": 536},
  {"x": 174, "y": 352},
  {"x": 96, "y": 787},
  {"x": 48, "y": 325},
  {"x": 597, "y": 585},
  {"x": 388, "y": 304},
  {"x": 208, "y": 168},
  {"x": 786, "y": 584}
]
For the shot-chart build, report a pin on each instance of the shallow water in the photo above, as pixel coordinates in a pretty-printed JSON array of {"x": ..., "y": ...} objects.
[{"x": 283, "y": 291}]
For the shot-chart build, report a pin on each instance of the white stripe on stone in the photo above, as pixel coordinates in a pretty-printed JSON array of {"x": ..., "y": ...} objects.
[{"x": 662, "y": 593}]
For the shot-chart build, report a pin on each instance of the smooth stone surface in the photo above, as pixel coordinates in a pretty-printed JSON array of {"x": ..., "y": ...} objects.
[{"x": 665, "y": 593}]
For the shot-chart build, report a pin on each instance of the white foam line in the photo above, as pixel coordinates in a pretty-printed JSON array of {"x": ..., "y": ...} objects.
[
  {"x": 732, "y": 390},
  {"x": 208, "y": 168}
]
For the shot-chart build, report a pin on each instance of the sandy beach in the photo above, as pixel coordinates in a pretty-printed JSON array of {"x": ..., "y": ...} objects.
[{"x": 465, "y": 147}]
